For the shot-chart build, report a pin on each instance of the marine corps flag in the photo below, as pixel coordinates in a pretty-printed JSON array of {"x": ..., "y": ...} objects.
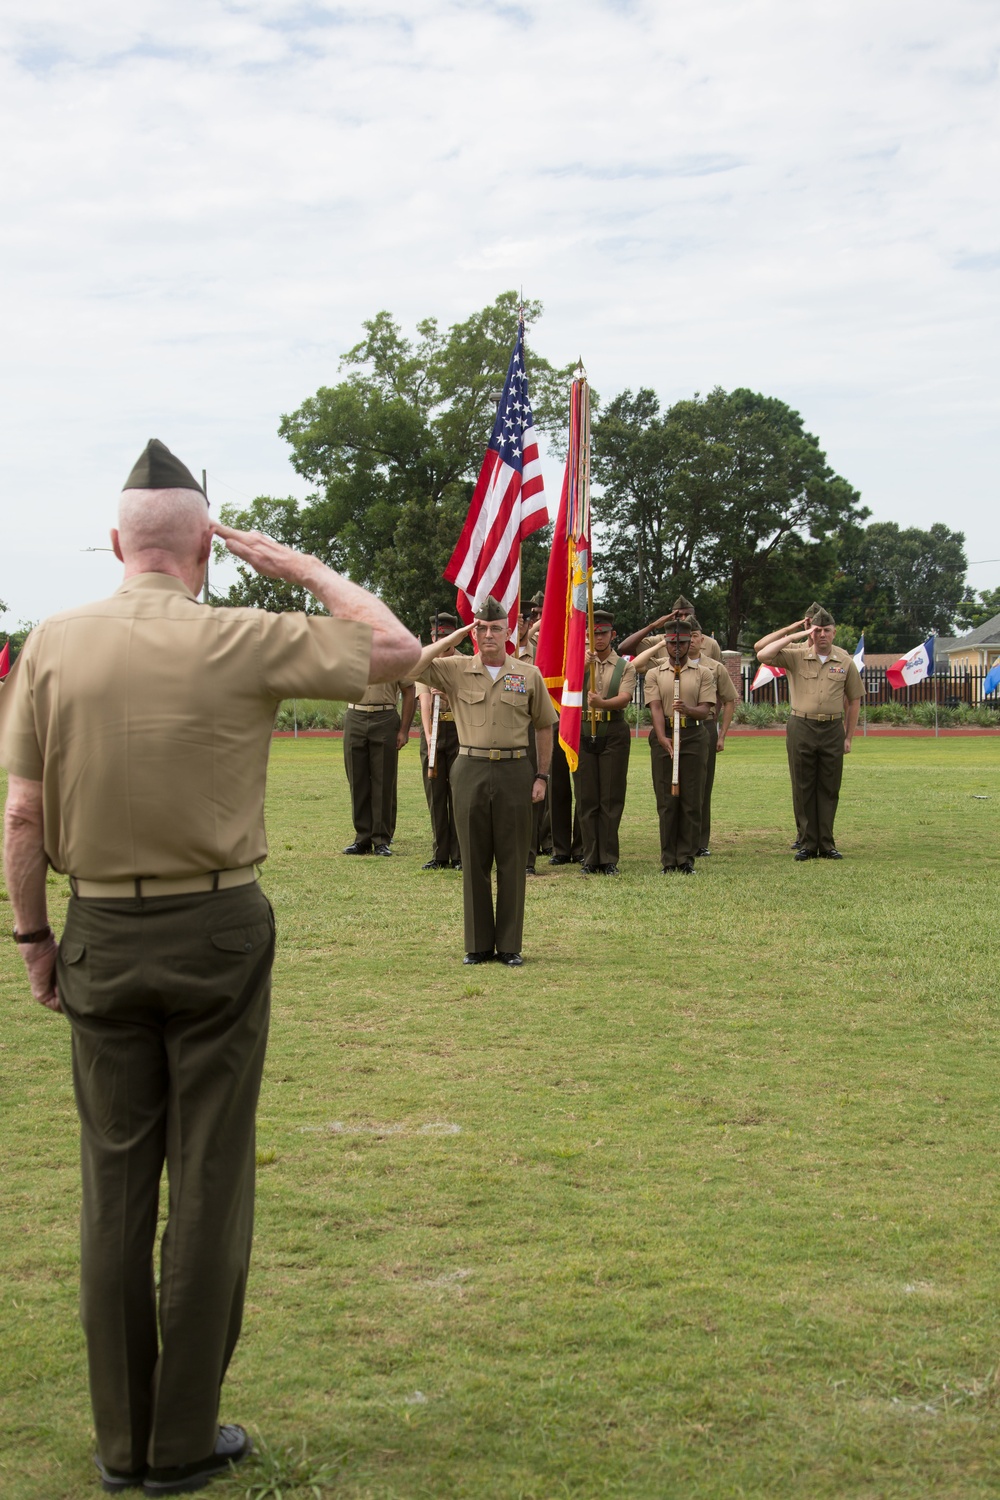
[
  {"x": 5, "y": 660},
  {"x": 566, "y": 614}
]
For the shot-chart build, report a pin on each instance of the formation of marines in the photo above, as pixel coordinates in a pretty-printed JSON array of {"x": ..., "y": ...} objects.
[{"x": 483, "y": 818}]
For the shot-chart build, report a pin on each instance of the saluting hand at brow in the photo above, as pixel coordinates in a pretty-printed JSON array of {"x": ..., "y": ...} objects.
[{"x": 263, "y": 553}]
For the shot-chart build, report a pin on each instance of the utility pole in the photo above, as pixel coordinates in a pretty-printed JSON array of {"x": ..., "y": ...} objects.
[{"x": 205, "y": 593}]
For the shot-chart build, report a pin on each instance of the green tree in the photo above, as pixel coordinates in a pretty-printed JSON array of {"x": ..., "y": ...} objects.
[
  {"x": 394, "y": 449},
  {"x": 899, "y": 585},
  {"x": 725, "y": 498},
  {"x": 975, "y": 609}
]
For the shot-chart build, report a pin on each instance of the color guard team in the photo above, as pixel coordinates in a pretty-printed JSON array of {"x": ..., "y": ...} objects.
[{"x": 481, "y": 815}]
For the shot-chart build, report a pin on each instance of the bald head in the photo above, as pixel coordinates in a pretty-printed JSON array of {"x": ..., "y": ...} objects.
[{"x": 163, "y": 531}]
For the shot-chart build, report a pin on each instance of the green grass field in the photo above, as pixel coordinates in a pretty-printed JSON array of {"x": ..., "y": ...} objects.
[{"x": 701, "y": 1202}]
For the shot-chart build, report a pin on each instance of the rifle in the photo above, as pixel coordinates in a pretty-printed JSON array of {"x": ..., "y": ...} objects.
[
  {"x": 675, "y": 780},
  {"x": 432, "y": 739}
]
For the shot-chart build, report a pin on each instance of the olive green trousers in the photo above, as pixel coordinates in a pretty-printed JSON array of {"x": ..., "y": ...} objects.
[
  {"x": 168, "y": 1000},
  {"x": 493, "y": 815},
  {"x": 601, "y": 782},
  {"x": 371, "y": 761},
  {"x": 437, "y": 790},
  {"x": 680, "y": 817},
  {"x": 816, "y": 761}
]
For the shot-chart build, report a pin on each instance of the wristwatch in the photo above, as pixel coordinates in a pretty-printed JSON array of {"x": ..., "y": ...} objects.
[
  {"x": 541, "y": 775},
  {"x": 33, "y": 937}
]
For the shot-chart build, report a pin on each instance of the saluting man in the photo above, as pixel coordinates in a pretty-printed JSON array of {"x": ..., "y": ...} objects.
[
  {"x": 495, "y": 699},
  {"x": 825, "y": 690},
  {"x": 681, "y": 609},
  {"x": 136, "y": 733},
  {"x": 680, "y": 817},
  {"x": 437, "y": 788},
  {"x": 601, "y": 778}
]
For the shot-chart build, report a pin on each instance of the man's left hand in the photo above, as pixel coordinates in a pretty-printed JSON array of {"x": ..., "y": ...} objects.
[
  {"x": 538, "y": 789},
  {"x": 402, "y": 738},
  {"x": 40, "y": 962},
  {"x": 847, "y": 744}
]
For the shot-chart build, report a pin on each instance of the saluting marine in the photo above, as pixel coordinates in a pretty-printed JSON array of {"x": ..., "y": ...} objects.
[
  {"x": 374, "y": 734},
  {"x": 495, "y": 699},
  {"x": 825, "y": 690},
  {"x": 644, "y": 639}
]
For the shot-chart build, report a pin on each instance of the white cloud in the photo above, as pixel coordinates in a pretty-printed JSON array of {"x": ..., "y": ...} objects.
[{"x": 203, "y": 201}]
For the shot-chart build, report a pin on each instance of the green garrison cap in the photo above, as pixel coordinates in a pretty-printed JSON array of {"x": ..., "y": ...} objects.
[
  {"x": 444, "y": 619},
  {"x": 820, "y": 616},
  {"x": 680, "y": 627},
  {"x": 692, "y": 625},
  {"x": 157, "y": 468},
  {"x": 537, "y": 600},
  {"x": 490, "y": 609},
  {"x": 603, "y": 617},
  {"x": 681, "y": 603},
  {"x": 814, "y": 606}
]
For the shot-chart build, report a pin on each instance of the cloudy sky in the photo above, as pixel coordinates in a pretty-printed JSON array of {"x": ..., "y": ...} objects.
[{"x": 202, "y": 201}]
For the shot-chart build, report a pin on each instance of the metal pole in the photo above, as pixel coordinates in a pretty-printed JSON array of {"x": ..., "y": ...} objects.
[{"x": 206, "y": 596}]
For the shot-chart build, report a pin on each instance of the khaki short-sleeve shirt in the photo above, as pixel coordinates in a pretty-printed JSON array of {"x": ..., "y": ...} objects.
[
  {"x": 492, "y": 715},
  {"x": 817, "y": 687},
  {"x": 604, "y": 673},
  {"x": 380, "y": 694},
  {"x": 147, "y": 718},
  {"x": 697, "y": 686}
]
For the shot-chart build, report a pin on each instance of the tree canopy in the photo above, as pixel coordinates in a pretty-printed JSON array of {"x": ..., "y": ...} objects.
[
  {"x": 975, "y": 609},
  {"x": 899, "y": 585},
  {"x": 394, "y": 449},
  {"x": 726, "y": 498}
]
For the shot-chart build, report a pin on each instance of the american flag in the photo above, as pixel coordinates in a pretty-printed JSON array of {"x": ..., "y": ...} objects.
[{"x": 507, "y": 504}]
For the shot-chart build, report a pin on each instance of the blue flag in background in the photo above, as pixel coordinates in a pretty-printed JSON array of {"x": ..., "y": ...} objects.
[{"x": 992, "y": 679}]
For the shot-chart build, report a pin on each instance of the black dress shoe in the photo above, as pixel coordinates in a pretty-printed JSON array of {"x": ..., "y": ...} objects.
[
  {"x": 546, "y": 851},
  {"x": 358, "y": 849},
  {"x": 529, "y": 869},
  {"x": 231, "y": 1447},
  {"x": 512, "y": 960},
  {"x": 796, "y": 845},
  {"x": 805, "y": 854},
  {"x": 609, "y": 869},
  {"x": 383, "y": 849},
  {"x": 478, "y": 958},
  {"x": 702, "y": 853},
  {"x": 590, "y": 869},
  {"x": 114, "y": 1480},
  {"x": 687, "y": 868},
  {"x": 830, "y": 854},
  {"x": 456, "y": 864},
  {"x": 435, "y": 864},
  {"x": 560, "y": 859}
]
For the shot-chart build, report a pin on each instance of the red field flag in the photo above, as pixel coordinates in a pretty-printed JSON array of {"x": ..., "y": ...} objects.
[
  {"x": 507, "y": 504},
  {"x": 561, "y": 654},
  {"x": 4, "y": 660}
]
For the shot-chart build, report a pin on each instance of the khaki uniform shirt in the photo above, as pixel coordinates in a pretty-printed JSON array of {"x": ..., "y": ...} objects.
[
  {"x": 604, "y": 673},
  {"x": 380, "y": 694},
  {"x": 697, "y": 686},
  {"x": 709, "y": 645},
  {"x": 493, "y": 715},
  {"x": 424, "y": 688},
  {"x": 816, "y": 687},
  {"x": 147, "y": 718},
  {"x": 526, "y": 651}
]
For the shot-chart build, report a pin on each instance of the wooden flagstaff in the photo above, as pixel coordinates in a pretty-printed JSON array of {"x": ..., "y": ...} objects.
[{"x": 432, "y": 739}]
